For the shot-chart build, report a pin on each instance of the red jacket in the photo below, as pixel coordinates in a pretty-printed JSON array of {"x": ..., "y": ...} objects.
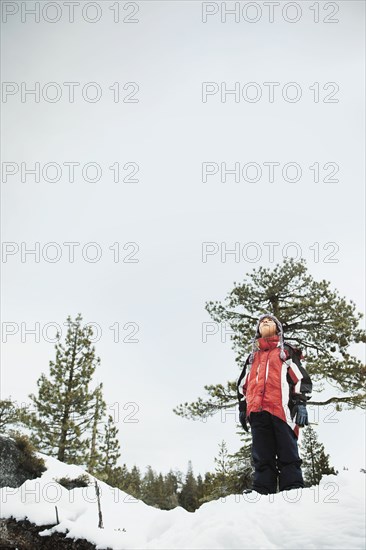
[{"x": 273, "y": 385}]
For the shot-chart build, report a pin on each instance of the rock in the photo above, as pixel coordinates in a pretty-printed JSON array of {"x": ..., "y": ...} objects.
[
  {"x": 24, "y": 535},
  {"x": 12, "y": 473}
]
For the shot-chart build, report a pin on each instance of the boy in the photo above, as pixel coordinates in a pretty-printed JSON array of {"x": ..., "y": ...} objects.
[{"x": 272, "y": 390}]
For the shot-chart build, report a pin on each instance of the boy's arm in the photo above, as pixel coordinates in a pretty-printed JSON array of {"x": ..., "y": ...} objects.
[
  {"x": 301, "y": 382},
  {"x": 242, "y": 383},
  {"x": 241, "y": 387},
  {"x": 300, "y": 387}
]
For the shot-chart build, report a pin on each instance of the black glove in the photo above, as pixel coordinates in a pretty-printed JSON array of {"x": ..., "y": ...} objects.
[
  {"x": 300, "y": 413},
  {"x": 243, "y": 415}
]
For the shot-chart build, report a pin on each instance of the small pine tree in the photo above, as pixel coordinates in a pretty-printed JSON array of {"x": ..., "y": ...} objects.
[
  {"x": 230, "y": 477},
  {"x": 119, "y": 477},
  {"x": 200, "y": 488},
  {"x": 241, "y": 465},
  {"x": 109, "y": 450},
  {"x": 171, "y": 491},
  {"x": 64, "y": 404},
  {"x": 160, "y": 492},
  {"x": 8, "y": 413},
  {"x": 222, "y": 471},
  {"x": 134, "y": 482},
  {"x": 187, "y": 498},
  {"x": 148, "y": 488},
  {"x": 315, "y": 461},
  {"x": 95, "y": 457},
  {"x": 207, "y": 489}
]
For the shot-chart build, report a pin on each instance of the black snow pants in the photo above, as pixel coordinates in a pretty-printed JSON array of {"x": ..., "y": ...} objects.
[{"x": 275, "y": 454}]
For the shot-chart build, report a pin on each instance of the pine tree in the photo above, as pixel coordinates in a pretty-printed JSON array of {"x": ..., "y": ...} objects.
[
  {"x": 171, "y": 491},
  {"x": 188, "y": 496},
  {"x": 241, "y": 467},
  {"x": 314, "y": 318},
  {"x": 222, "y": 471},
  {"x": 64, "y": 405},
  {"x": 134, "y": 482},
  {"x": 109, "y": 450},
  {"x": 119, "y": 478},
  {"x": 208, "y": 489},
  {"x": 160, "y": 501},
  {"x": 8, "y": 413},
  {"x": 95, "y": 456},
  {"x": 200, "y": 488},
  {"x": 315, "y": 461},
  {"x": 232, "y": 473},
  {"x": 148, "y": 487}
]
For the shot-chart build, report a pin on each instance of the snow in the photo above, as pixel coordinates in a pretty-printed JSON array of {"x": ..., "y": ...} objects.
[{"x": 331, "y": 515}]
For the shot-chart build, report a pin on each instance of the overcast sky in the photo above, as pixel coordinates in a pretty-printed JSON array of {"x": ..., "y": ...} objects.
[{"x": 297, "y": 102}]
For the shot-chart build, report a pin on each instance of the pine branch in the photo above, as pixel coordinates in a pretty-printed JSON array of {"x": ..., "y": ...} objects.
[{"x": 359, "y": 400}]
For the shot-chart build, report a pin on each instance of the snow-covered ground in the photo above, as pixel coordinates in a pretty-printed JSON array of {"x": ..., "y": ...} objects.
[{"x": 331, "y": 515}]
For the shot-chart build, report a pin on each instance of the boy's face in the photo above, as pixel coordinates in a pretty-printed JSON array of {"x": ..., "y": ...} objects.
[{"x": 267, "y": 327}]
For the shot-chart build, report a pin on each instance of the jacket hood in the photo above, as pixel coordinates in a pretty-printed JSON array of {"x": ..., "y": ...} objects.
[{"x": 258, "y": 335}]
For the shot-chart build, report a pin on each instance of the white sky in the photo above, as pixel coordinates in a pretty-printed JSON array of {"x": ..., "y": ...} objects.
[{"x": 170, "y": 212}]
